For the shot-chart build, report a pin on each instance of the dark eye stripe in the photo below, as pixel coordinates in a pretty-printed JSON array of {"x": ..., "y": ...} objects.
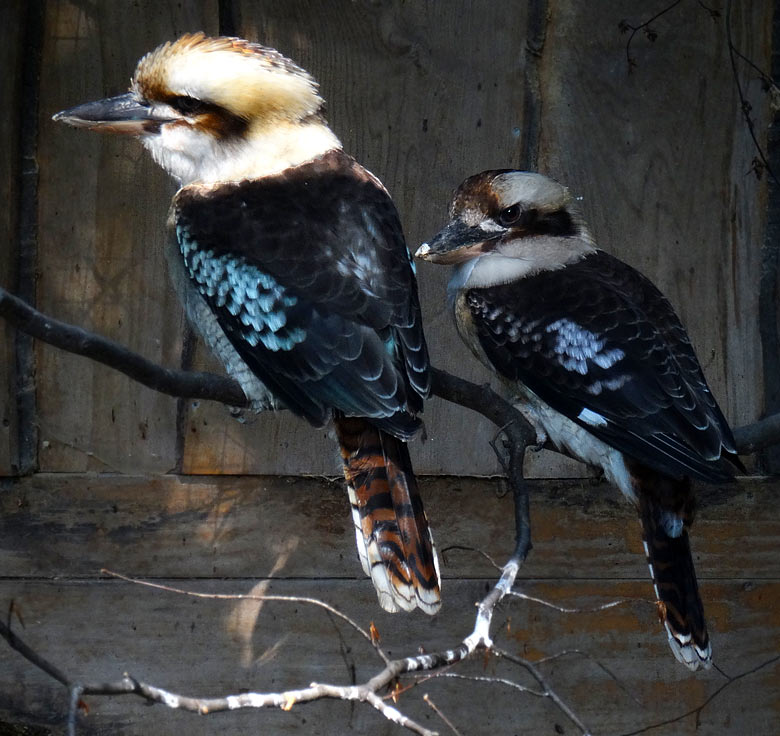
[
  {"x": 220, "y": 122},
  {"x": 186, "y": 105}
]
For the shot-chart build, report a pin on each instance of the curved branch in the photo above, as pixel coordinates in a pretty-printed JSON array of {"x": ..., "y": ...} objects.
[
  {"x": 200, "y": 385},
  {"x": 366, "y": 692},
  {"x": 182, "y": 384},
  {"x": 759, "y": 435}
]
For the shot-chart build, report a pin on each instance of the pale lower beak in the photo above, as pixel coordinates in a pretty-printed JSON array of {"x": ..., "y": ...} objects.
[{"x": 456, "y": 243}]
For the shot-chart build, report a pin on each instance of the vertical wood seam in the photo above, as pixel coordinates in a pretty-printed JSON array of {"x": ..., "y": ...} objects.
[
  {"x": 189, "y": 341},
  {"x": 229, "y": 18},
  {"x": 27, "y": 235},
  {"x": 532, "y": 103},
  {"x": 770, "y": 264}
]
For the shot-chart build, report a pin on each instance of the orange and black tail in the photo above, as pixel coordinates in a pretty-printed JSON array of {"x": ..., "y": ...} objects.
[
  {"x": 393, "y": 539},
  {"x": 666, "y": 510}
]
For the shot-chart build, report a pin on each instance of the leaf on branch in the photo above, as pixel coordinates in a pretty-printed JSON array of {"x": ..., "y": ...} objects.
[
  {"x": 486, "y": 658},
  {"x": 397, "y": 690},
  {"x": 651, "y": 35},
  {"x": 289, "y": 702},
  {"x": 661, "y": 610},
  {"x": 83, "y": 707},
  {"x": 757, "y": 167},
  {"x": 374, "y": 632},
  {"x": 624, "y": 27},
  {"x": 15, "y": 610}
]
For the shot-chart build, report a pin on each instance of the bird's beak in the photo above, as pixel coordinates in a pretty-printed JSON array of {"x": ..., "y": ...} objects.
[
  {"x": 456, "y": 243},
  {"x": 122, "y": 114}
]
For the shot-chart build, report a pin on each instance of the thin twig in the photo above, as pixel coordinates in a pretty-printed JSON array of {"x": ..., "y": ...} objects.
[
  {"x": 29, "y": 654},
  {"x": 548, "y": 691},
  {"x": 626, "y": 26},
  {"x": 201, "y": 385},
  {"x": 253, "y": 597},
  {"x": 698, "y": 709},
  {"x": 564, "y": 609},
  {"x": 598, "y": 663},
  {"x": 494, "y": 680},
  {"x": 441, "y": 715},
  {"x": 468, "y": 548},
  {"x": 743, "y": 103}
]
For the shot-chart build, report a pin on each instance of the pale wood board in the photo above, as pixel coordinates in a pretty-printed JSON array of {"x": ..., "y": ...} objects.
[
  {"x": 10, "y": 92},
  {"x": 73, "y": 525},
  {"x": 293, "y": 536},
  {"x": 661, "y": 158},
  {"x": 103, "y": 206},
  {"x": 406, "y": 106},
  {"x": 98, "y": 630}
]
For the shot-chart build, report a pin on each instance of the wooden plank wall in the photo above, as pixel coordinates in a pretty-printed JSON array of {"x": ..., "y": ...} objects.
[
  {"x": 660, "y": 157},
  {"x": 102, "y": 208},
  {"x": 424, "y": 94},
  {"x": 293, "y": 536},
  {"x": 10, "y": 92}
]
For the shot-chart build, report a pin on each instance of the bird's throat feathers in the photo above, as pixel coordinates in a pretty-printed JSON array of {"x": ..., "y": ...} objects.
[
  {"x": 236, "y": 110},
  {"x": 193, "y": 156},
  {"x": 519, "y": 259}
]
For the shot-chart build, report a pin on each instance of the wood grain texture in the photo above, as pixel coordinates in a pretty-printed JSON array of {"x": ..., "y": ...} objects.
[
  {"x": 102, "y": 214},
  {"x": 244, "y": 535},
  {"x": 661, "y": 157},
  {"x": 10, "y": 62},
  {"x": 73, "y": 525},
  {"x": 211, "y": 648}
]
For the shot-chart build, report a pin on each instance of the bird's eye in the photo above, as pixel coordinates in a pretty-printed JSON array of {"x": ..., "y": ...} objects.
[
  {"x": 186, "y": 105},
  {"x": 510, "y": 215}
]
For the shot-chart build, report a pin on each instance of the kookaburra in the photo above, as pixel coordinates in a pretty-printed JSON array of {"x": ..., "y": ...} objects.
[
  {"x": 599, "y": 361},
  {"x": 290, "y": 260}
]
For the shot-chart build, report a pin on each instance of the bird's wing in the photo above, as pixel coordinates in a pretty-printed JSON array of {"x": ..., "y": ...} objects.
[
  {"x": 309, "y": 275},
  {"x": 599, "y": 343}
]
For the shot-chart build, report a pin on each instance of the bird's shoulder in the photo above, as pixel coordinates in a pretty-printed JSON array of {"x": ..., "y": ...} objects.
[{"x": 327, "y": 229}]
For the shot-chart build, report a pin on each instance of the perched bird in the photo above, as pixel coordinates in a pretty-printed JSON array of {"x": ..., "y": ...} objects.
[
  {"x": 290, "y": 260},
  {"x": 599, "y": 360}
]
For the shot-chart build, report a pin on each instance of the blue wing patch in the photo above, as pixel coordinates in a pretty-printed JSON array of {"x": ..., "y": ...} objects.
[{"x": 256, "y": 299}]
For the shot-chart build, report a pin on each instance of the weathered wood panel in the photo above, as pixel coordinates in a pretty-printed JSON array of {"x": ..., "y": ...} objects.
[
  {"x": 57, "y": 530},
  {"x": 210, "y": 648},
  {"x": 103, "y": 205},
  {"x": 10, "y": 61},
  {"x": 403, "y": 102},
  {"x": 61, "y": 525},
  {"x": 661, "y": 156}
]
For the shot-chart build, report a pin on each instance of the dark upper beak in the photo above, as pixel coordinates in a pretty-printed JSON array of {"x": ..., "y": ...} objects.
[
  {"x": 456, "y": 243},
  {"x": 122, "y": 114}
]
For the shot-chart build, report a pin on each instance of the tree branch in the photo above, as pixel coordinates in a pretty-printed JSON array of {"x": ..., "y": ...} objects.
[
  {"x": 199, "y": 385},
  {"x": 184, "y": 384},
  {"x": 367, "y": 692}
]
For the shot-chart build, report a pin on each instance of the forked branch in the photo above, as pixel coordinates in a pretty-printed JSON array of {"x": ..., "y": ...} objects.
[{"x": 376, "y": 692}]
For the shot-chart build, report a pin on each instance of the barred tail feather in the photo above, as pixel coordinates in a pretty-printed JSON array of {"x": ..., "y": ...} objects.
[
  {"x": 394, "y": 541},
  {"x": 674, "y": 578}
]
